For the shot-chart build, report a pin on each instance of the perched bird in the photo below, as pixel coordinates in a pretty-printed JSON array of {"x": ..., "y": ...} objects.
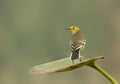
[{"x": 77, "y": 43}]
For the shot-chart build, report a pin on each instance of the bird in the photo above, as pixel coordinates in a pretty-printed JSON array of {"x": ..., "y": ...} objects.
[{"x": 77, "y": 42}]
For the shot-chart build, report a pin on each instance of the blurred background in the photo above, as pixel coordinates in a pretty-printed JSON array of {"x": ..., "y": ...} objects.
[{"x": 33, "y": 32}]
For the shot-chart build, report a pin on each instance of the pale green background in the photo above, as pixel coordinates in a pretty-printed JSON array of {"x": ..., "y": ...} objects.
[{"x": 33, "y": 32}]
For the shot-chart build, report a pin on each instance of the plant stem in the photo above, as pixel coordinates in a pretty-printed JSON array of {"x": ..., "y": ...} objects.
[{"x": 103, "y": 72}]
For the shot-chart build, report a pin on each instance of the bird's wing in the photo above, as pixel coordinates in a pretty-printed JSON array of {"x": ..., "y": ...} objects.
[{"x": 75, "y": 45}]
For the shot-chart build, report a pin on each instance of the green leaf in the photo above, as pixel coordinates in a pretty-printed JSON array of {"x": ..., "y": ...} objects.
[
  {"x": 61, "y": 65},
  {"x": 65, "y": 64}
]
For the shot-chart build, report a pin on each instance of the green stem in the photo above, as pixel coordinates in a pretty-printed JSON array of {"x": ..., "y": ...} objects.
[{"x": 108, "y": 76}]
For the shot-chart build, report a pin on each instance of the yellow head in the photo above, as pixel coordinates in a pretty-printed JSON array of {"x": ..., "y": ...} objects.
[{"x": 74, "y": 29}]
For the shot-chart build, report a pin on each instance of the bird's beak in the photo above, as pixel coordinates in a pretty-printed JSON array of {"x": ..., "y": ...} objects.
[{"x": 67, "y": 28}]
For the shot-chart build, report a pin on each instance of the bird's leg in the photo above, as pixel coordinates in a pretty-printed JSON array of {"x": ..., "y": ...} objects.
[
  {"x": 72, "y": 61},
  {"x": 80, "y": 59}
]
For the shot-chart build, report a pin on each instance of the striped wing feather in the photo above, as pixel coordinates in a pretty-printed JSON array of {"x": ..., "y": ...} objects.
[{"x": 75, "y": 45}]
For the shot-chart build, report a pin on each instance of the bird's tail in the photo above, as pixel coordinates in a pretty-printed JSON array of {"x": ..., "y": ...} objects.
[{"x": 75, "y": 55}]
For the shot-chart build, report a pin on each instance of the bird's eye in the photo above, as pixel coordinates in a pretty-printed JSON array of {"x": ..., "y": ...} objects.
[{"x": 73, "y": 28}]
